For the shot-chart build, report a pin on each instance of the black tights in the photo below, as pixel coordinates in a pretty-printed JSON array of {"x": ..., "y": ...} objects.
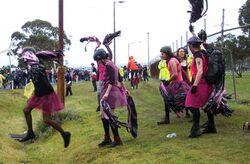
[
  {"x": 210, "y": 117},
  {"x": 166, "y": 110},
  {"x": 196, "y": 115},
  {"x": 106, "y": 125}
]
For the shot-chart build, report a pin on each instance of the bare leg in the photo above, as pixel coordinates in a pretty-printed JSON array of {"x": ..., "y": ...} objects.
[
  {"x": 28, "y": 117},
  {"x": 66, "y": 135},
  {"x": 47, "y": 120},
  {"x": 30, "y": 134}
]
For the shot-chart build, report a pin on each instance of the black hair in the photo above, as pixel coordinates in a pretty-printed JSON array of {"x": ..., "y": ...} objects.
[
  {"x": 171, "y": 55},
  {"x": 185, "y": 50}
]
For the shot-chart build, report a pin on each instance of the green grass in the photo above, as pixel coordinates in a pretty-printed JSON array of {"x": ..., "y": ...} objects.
[
  {"x": 229, "y": 145},
  {"x": 242, "y": 87}
]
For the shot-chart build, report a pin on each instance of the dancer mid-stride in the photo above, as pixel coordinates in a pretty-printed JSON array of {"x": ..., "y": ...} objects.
[
  {"x": 112, "y": 93},
  {"x": 44, "y": 99}
]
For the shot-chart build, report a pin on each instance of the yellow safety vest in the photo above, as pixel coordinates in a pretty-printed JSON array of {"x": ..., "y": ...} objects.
[{"x": 164, "y": 73}]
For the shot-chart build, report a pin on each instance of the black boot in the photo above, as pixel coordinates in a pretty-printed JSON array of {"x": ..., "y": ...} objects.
[
  {"x": 106, "y": 141},
  {"x": 30, "y": 135},
  {"x": 117, "y": 142},
  {"x": 195, "y": 130},
  {"x": 117, "y": 139},
  {"x": 66, "y": 138},
  {"x": 165, "y": 120},
  {"x": 209, "y": 127}
]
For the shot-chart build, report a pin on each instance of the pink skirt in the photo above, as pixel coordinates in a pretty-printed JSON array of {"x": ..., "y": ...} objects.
[
  {"x": 117, "y": 97},
  {"x": 47, "y": 104},
  {"x": 199, "y": 99}
]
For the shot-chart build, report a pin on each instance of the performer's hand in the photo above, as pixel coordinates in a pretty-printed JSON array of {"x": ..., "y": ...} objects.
[
  {"x": 105, "y": 96},
  {"x": 127, "y": 92},
  {"x": 194, "y": 89}
]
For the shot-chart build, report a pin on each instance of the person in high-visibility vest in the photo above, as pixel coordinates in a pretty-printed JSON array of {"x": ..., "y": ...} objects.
[
  {"x": 1, "y": 80},
  {"x": 163, "y": 69},
  {"x": 121, "y": 72}
]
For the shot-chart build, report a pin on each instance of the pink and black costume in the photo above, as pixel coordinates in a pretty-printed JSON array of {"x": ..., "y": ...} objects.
[
  {"x": 174, "y": 93},
  {"x": 44, "y": 99},
  {"x": 117, "y": 95},
  {"x": 198, "y": 95}
]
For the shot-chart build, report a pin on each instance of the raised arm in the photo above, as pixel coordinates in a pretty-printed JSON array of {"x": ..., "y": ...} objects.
[
  {"x": 108, "y": 40},
  {"x": 91, "y": 39}
]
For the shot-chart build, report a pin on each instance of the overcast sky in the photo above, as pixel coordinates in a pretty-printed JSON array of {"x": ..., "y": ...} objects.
[{"x": 165, "y": 20}]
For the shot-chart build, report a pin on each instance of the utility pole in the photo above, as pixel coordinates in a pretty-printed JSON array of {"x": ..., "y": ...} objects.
[
  {"x": 176, "y": 45},
  {"x": 148, "y": 47},
  {"x": 222, "y": 30},
  {"x": 60, "y": 73},
  {"x": 114, "y": 32},
  {"x": 114, "y": 27},
  {"x": 181, "y": 41},
  {"x": 186, "y": 36}
]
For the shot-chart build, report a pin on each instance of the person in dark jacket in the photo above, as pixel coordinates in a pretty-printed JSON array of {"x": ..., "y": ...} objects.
[{"x": 68, "y": 80}]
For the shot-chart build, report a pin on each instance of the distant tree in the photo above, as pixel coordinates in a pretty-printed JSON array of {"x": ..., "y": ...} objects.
[
  {"x": 238, "y": 47},
  {"x": 38, "y": 34},
  {"x": 244, "y": 17}
]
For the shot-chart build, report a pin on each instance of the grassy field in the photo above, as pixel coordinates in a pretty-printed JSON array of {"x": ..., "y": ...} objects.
[{"x": 229, "y": 145}]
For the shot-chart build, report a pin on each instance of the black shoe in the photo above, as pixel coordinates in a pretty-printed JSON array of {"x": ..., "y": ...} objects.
[
  {"x": 105, "y": 142},
  {"x": 208, "y": 129},
  {"x": 29, "y": 136},
  {"x": 66, "y": 138},
  {"x": 164, "y": 121},
  {"x": 115, "y": 143},
  {"x": 195, "y": 133}
]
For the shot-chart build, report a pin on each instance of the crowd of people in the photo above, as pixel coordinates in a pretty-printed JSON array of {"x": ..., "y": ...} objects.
[{"x": 18, "y": 78}]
